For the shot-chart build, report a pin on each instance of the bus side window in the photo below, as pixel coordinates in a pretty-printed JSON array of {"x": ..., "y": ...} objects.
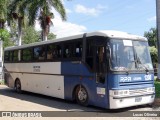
[
  {"x": 6, "y": 56},
  {"x": 27, "y": 54},
  {"x": 49, "y": 52},
  {"x": 68, "y": 50},
  {"x": 57, "y": 51},
  {"x": 15, "y": 56},
  {"x": 11, "y": 56},
  {"x": 89, "y": 54},
  {"x": 39, "y": 53},
  {"x": 78, "y": 50}
]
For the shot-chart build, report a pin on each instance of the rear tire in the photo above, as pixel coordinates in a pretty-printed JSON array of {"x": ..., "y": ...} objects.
[
  {"x": 18, "y": 86},
  {"x": 81, "y": 96}
]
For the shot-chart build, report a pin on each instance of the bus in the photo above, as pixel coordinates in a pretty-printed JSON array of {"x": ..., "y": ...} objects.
[{"x": 108, "y": 69}]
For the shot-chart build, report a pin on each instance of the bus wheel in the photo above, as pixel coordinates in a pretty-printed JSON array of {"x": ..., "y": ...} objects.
[
  {"x": 81, "y": 96},
  {"x": 18, "y": 86}
]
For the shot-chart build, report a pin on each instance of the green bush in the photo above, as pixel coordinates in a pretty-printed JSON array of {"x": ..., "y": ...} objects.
[{"x": 157, "y": 89}]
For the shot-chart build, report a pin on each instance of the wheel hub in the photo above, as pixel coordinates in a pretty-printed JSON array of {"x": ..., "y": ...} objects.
[{"x": 82, "y": 95}]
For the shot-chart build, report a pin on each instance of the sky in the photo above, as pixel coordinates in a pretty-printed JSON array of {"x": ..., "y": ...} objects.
[{"x": 131, "y": 16}]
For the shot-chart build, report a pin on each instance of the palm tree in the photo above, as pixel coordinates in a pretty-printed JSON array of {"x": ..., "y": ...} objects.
[
  {"x": 42, "y": 10},
  {"x": 34, "y": 9},
  {"x": 3, "y": 13},
  {"x": 17, "y": 12}
]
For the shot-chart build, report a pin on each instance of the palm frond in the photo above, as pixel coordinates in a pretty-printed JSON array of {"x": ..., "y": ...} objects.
[
  {"x": 33, "y": 12},
  {"x": 58, "y": 6}
]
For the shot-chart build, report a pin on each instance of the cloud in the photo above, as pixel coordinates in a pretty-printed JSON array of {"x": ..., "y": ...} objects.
[
  {"x": 151, "y": 19},
  {"x": 68, "y": 10},
  {"x": 89, "y": 11},
  {"x": 63, "y": 29}
]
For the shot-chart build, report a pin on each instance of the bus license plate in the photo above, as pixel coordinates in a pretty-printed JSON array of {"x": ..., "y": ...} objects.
[{"x": 138, "y": 99}]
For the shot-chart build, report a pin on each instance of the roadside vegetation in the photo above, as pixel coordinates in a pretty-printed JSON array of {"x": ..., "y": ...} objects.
[
  {"x": 157, "y": 89},
  {"x": 18, "y": 18}
]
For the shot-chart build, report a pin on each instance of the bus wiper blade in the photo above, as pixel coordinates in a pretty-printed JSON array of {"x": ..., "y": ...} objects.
[{"x": 143, "y": 66}]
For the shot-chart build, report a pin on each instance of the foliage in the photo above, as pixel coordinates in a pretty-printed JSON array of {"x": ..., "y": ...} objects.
[
  {"x": 3, "y": 12},
  {"x": 5, "y": 37},
  {"x": 154, "y": 54},
  {"x": 157, "y": 89},
  {"x": 151, "y": 35},
  {"x": 4, "y": 34},
  {"x": 18, "y": 12},
  {"x": 42, "y": 10},
  {"x": 51, "y": 36},
  {"x": 30, "y": 35}
]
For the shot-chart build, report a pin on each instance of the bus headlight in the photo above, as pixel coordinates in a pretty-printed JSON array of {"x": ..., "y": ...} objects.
[
  {"x": 120, "y": 92},
  {"x": 151, "y": 89}
]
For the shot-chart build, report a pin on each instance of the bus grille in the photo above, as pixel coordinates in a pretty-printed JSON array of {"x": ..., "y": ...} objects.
[{"x": 137, "y": 91}]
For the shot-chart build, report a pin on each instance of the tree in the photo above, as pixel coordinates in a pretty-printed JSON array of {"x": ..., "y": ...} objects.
[
  {"x": 5, "y": 37},
  {"x": 43, "y": 7},
  {"x": 151, "y": 35},
  {"x": 3, "y": 13},
  {"x": 51, "y": 36},
  {"x": 154, "y": 54},
  {"x": 30, "y": 35},
  {"x": 17, "y": 12}
]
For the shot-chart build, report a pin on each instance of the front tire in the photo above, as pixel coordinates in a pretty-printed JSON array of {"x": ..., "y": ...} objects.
[
  {"x": 18, "y": 86},
  {"x": 81, "y": 95}
]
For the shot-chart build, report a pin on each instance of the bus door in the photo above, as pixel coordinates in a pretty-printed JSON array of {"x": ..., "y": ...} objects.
[
  {"x": 96, "y": 62},
  {"x": 100, "y": 72},
  {"x": 100, "y": 66}
]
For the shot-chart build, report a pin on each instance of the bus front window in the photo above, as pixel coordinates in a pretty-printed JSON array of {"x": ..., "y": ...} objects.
[
  {"x": 122, "y": 57},
  {"x": 129, "y": 55},
  {"x": 142, "y": 55}
]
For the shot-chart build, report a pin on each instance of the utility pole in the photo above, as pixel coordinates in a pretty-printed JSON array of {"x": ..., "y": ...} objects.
[{"x": 158, "y": 34}]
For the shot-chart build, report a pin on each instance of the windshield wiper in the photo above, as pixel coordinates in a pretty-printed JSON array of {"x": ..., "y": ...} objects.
[{"x": 140, "y": 63}]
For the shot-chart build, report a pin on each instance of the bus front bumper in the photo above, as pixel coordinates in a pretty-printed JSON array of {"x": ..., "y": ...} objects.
[{"x": 122, "y": 102}]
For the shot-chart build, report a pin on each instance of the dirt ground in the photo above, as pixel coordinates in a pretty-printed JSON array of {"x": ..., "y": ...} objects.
[{"x": 27, "y": 102}]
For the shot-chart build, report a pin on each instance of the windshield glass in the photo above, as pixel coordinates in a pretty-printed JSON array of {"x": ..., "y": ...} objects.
[
  {"x": 129, "y": 55},
  {"x": 142, "y": 55}
]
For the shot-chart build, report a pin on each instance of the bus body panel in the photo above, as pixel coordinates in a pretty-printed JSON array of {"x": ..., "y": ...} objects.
[
  {"x": 78, "y": 74},
  {"x": 134, "y": 80},
  {"x": 137, "y": 85},
  {"x": 130, "y": 101},
  {"x": 38, "y": 78}
]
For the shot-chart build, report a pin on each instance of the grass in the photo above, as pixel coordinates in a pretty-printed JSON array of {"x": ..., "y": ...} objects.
[{"x": 157, "y": 89}]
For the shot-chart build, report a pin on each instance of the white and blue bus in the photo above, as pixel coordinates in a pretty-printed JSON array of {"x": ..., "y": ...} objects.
[{"x": 108, "y": 69}]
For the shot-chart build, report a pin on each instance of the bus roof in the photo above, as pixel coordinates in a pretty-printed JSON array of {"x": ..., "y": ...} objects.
[{"x": 105, "y": 33}]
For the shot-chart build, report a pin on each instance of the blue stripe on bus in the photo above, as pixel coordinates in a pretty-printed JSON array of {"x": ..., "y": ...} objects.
[
  {"x": 114, "y": 81},
  {"x": 71, "y": 81}
]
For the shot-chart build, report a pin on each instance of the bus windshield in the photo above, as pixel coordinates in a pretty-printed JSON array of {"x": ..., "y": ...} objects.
[{"x": 130, "y": 55}]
